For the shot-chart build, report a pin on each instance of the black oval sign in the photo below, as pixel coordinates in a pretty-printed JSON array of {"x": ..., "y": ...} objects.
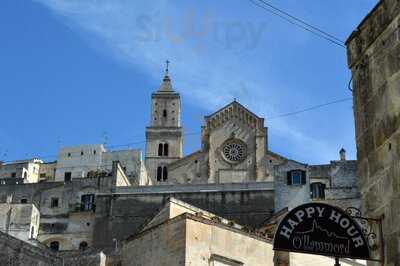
[{"x": 319, "y": 228}]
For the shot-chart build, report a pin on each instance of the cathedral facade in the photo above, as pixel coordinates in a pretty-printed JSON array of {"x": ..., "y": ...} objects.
[{"x": 233, "y": 144}]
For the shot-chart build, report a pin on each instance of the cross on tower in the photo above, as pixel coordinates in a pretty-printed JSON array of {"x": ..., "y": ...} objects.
[{"x": 166, "y": 69}]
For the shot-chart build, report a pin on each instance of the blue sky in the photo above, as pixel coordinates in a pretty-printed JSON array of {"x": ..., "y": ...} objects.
[{"x": 77, "y": 72}]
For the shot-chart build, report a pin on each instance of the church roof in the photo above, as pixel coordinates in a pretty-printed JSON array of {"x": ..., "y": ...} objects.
[
  {"x": 166, "y": 85},
  {"x": 234, "y": 103}
]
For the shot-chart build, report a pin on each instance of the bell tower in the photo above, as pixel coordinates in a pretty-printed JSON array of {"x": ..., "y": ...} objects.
[{"x": 164, "y": 136}]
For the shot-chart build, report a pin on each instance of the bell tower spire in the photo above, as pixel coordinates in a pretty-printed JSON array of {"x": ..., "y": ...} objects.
[
  {"x": 164, "y": 135},
  {"x": 166, "y": 86}
]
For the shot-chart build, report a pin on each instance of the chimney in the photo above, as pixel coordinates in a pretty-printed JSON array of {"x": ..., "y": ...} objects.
[{"x": 342, "y": 153}]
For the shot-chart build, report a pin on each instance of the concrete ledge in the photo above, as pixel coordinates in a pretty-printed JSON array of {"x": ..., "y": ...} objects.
[{"x": 195, "y": 188}]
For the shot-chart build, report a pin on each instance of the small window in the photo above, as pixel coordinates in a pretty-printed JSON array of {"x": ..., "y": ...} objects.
[
  {"x": 67, "y": 176},
  {"x": 160, "y": 149},
  {"x": 69, "y": 154},
  {"x": 164, "y": 113},
  {"x": 166, "y": 149},
  {"x": 25, "y": 175},
  {"x": 43, "y": 175},
  {"x": 55, "y": 246},
  {"x": 296, "y": 177},
  {"x": 13, "y": 175},
  {"x": 318, "y": 190},
  {"x": 83, "y": 246},
  {"x": 24, "y": 201},
  {"x": 54, "y": 203},
  {"x": 82, "y": 153},
  {"x": 159, "y": 174},
  {"x": 94, "y": 152},
  {"x": 165, "y": 174},
  {"x": 87, "y": 202}
]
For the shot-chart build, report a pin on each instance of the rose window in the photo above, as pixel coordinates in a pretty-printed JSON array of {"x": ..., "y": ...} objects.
[{"x": 234, "y": 151}]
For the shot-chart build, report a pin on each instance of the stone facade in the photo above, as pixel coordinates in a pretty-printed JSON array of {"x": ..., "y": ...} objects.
[
  {"x": 373, "y": 57},
  {"x": 25, "y": 171},
  {"x": 67, "y": 210},
  {"x": 127, "y": 211},
  {"x": 20, "y": 220},
  {"x": 85, "y": 160},
  {"x": 164, "y": 136}
]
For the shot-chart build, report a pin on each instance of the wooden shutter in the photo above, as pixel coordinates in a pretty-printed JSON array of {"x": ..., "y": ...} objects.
[
  {"x": 289, "y": 178},
  {"x": 303, "y": 177}
]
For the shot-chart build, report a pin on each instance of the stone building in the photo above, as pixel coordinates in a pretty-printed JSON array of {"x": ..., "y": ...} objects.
[
  {"x": 91, "y": 199},
  {"x": 86, "y": 160},
  {"x": 24, "y": 171},
  {"x": 20, "y": 220},
  {"x": 374, "y": 60}
]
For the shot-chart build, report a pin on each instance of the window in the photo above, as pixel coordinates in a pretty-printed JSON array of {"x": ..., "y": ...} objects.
[
  {"x": 296, "y": 177},
  {"x": 83, "y": 246},
  {"x": 160, "y": 149},
  {"x": 163, "y": 149},
  {"x": 81, "y": 153},
  {"x": 164, "y": 113},
  {"x": 87, "y": 202},
  {"x": 13, "y": 175},
  {"x": 159, "y": 174},
  {"x": 94, "y": 152},
  {"x": 162, "y": 174},
  {"x": 166, "y": 149},
  {"x": 67, "y": 176},
  {"x": 25, "y": 175},
  {"x": 54, "y": 203},
  {"x": 24, "y": 201},
  {"x": 55, "y": 245},
  {"x": 43, "y": 175},
  {"x": 69, "y": 154},
  {"x": 318, "y": 191},
  {"x": 165, "y": 174}
]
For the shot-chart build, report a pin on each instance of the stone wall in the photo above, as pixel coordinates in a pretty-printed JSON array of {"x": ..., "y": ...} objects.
[
  {"x": 373, "y": 56},
  {"x": 290, "y": 195},
  {"x": 18, "y": 253},
  {"x": 126, "y": 212}
]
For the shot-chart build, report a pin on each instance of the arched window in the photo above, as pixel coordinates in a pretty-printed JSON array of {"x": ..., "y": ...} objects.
[
  {"x": 165, "y": 113},
  {"x": 165, "y": 174},
  {"x": 25, "y": 175},
  {"x": 160, "y": 149},
  {"x": 55, "y": 246},
  {"x": 159, "y": 173},
  {"x": 166, "y": 149},
  {"x": 83, "y": 246}
]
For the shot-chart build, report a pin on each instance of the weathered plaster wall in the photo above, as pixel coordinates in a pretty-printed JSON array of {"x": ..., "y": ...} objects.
[
  {"x": 373, "y": 56},
  {"x": 20, "y": 220},
  {"x": 19, "y": 253},
  {"x": 206, "y": 242},
  {"x": 125, "y": 213},
  {"x": 162, "y": 245},
  {"x": 290, "y": 195}
]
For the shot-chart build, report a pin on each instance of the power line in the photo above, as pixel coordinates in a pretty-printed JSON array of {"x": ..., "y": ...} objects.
[
  {"x": 309, "y": 108},
  {"x": 298, "y": 22},
  {"x": 199, "y": 132},
  {"x": 301, "y": 21}
]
